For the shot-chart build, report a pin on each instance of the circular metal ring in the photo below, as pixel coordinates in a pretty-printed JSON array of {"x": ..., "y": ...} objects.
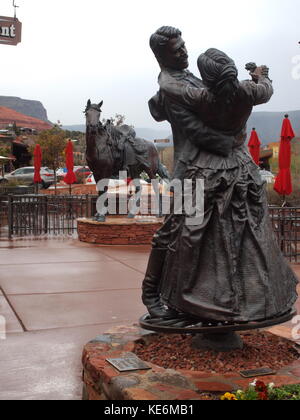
[{"x": 214, "y": 329}]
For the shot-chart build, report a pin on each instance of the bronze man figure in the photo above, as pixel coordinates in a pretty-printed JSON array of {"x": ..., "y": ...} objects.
[{"x": 169, "y": 49}]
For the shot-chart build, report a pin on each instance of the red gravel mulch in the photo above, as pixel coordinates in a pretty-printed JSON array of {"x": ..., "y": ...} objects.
[{"x": 260, "y": 350}]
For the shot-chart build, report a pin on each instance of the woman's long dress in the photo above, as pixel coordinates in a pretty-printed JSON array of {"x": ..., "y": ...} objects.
[{"x": 230, "y": 267}]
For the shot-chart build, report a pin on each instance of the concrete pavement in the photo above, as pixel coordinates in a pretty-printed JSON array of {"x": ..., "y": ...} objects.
[{"x": 55, "y": 296}]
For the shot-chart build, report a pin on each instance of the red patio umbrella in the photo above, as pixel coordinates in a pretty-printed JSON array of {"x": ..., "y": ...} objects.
[
  {"x": 283, "y": 183},
  {"x": 70, "y": 177},
  {"x": 37, "y": 154},
  {"x": 254, "y": 146}
]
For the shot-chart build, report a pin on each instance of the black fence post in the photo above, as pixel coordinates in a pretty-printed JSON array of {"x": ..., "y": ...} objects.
[
  {"x": 89, "y": 198},
  {"x": 45, "y": 214},
  {"x": 10, "y": 216}
]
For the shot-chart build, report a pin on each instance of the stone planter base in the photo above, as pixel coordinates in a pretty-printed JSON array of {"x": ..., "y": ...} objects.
[
  {"x": 104, "y": 382},
  {"x": 119, "y": 230}
]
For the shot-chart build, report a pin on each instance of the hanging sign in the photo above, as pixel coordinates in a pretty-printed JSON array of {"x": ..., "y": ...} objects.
[{"x": 10, "y": 30}]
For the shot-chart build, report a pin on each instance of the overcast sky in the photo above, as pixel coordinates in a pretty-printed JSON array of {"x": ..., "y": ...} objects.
[{"x": 73, "y": 50}]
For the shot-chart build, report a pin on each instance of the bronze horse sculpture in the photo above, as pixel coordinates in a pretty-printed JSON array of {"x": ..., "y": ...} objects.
[{"x": 111, "y": 150}]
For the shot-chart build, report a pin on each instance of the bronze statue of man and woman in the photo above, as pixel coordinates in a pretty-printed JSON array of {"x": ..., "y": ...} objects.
[{"x": 228, "y": 268}]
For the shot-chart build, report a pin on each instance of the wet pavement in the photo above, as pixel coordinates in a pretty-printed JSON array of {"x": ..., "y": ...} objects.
[{"x": 55, "y": 296}]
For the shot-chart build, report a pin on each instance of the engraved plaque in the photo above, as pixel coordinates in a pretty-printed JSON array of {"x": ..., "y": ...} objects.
[
  {"x": 128, "y": 363},
  {"x": 257, "y": 372}
]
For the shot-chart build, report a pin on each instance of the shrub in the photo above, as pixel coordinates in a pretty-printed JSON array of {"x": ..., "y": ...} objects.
[{"x": 258, "y": 390}]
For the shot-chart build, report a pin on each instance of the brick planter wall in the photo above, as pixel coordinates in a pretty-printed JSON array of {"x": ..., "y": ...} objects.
[
  {"x": 77, "y": 189},
  {"x": 117, "y": 231},
  {"x": 103, "y": 382}
]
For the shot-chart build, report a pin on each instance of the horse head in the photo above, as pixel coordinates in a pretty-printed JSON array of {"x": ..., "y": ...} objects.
[{"x": 92, "y": 113}]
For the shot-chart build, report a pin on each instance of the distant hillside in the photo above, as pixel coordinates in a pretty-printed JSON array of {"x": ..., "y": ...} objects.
[
  {"x": 152, "y": 134},
  {"x": 268, "y": 124},
  {"x": 27, "y": 107},
  {"x": 76, "y": 127},
  {"x": 145, "y": 133},
  {"x": 10, "y": 116}
]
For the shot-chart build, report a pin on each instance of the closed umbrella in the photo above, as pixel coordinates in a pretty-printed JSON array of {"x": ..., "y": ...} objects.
[
  {"x": 70, "y": 177},
  {"x": 254, "y": 146},
  {"x": 37, "y": 157},
  {"x": 283, "y": 183}
]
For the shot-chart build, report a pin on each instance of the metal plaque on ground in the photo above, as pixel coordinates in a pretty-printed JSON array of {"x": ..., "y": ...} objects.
[
  {"x": 128, "y": 363},
  {"x": 257, "y": 372}
]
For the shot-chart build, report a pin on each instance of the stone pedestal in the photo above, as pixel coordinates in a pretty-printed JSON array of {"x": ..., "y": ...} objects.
[
  {"x": 118, "y": 230},
  {"x": 102, "y": 381}
]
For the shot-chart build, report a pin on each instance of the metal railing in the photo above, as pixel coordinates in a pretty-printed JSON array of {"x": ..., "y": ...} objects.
[
  {"x": 286, "y": 226},
  {"x": 3, "y": 216},
  {"x": 36, "y": 215}
]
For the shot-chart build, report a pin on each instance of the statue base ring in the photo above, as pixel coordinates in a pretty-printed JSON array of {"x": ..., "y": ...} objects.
[{"x": 215, "y": 336}]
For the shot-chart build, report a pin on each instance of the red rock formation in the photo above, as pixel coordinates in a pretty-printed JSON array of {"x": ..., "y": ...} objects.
[{"x": 9, "y": 116}]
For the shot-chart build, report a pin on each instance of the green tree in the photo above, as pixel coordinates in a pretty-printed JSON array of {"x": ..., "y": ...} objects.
[
  {"x": 117, "y": 120},
  {"x": 53, "y": 143},
  {"x": 5, "y": 150},
  {"x": 79, "y": 146},
  {"x": 166, "y": 155}
]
